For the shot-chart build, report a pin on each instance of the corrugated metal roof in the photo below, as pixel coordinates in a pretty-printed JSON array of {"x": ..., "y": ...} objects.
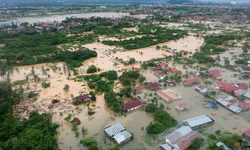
[
  {"x": 196, "y": 121},
  {"x": 247, "y": 95},
  {"x": 122, "y": 136},
  {"x": 222, "y": 102},
  {"x": 234, "y": 108},
  {"x": 222, "y": 144},
  {"x": 168, "y": 147},
  {"x": 182, "y": 131},
  {"x": 114, "y": 129},
  {"x": 185, "y": 141}
]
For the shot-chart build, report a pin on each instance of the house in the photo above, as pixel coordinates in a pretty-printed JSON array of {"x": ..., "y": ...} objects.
[
  {"x": 191, "y": 81},
  {"x": 167, "y": 147},
  {"x": 201, "y": 89},
  {"x": 220, "y": 85},
  {"x": 153, "y": 86},
  {"x": 76, "y": 120},
  {"x": 244, "y": 106},
  {"x": 221, "y": 144},
  {"x": 173, "y": 70},
  {"x": 135, "y": 103},
  {"x": 235, "y": 109},
  {"x": 137, "y": 89},
  {"x": 244, "y": 69},
  {"x": 246, "y": 134},
  {"x": 242, "y": 85},
  {"x": 114, "y": 129},
  {"x": 198, "y": 122},
  {"x": 247, "y": 95},
  {"x": 122, "y": 137},
  {"x": 84, "y": 98},
  {"x": 214, "y": 74},
  {"x": 164, "y": 95},
  {"x": 230, "y": 99},
  {"x": 181, "y": 106},
  {"x": 137, "y": 69},
  {"x": 223, "y": 103},
  {"x": 161, "y": 65},
  {"x": 230, "y": 89},
  {"x": 118, "y": 133},
  {"x": 181, "y": 138}
]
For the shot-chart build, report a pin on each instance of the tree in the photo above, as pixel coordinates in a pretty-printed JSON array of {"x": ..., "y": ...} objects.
[
  {"x": 113, "y": 147},
  {"x": 126, "y": 91},
  {"x": 142, "y": 78},
  {"x": 66, "y": 88},
  {"x": 196, "y": 143},
  {"x": 45, "y": 85},
  {"x": 75, "y": 129},
  {"x": 151, "y": 107},
  {"x": 91, "y": 69}
]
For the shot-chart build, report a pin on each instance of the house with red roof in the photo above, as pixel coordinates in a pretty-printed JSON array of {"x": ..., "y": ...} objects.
[
  {"x": 135, "y": 103},
  {"x": 191, "y": 81},
  {"x": 45, "y": 25},
  {"x": 162, "y": 65},
  {"x": 172, "y": 70},
  {"x": 153, "y": 85},
  {"x": 246, "y": 134},
  {"x": 230, "y": 89},
  {"x": 244, "y": 69},
  {"x": 84, "y": 98},
  {"x": 220, "y": 85},
  {"x": 76, "y": 120},
  {"x": 242, "y": 85},
  {"x": 137, "y": 69},
  {"x": 137, "y": 89},
  {"x": 215, "y": 74},
  {"x": 181, "y": 106},
  {"x": 244, "y": 106}
]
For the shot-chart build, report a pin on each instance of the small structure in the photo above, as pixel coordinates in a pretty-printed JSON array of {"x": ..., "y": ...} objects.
[
  {"x": 181, "y": 138},
  {"x": 173, "y": 70},
  {"x": 135, "y": 103},
  {"x": 242, "y": 85},
  {"x": 191, "y": 81},
  {"x": 244, "y": 106},
  {"x": 246, "y": 134},
  {"x": 167, "y": 147},
  {"x": 220, "y": 85},
  {"x": 230, "y": 99},
  {"x": 221, "y": 144},
  {"x": 122, "y": 137},
  {"x": 153, "y": 86},
  {"x": 198, "y": 122},
  {"x": 76, "y": 120},
  {"x": 114, "y": 129},
  {"x": 84, "y": 98},
  {"x": 201, "y": 89},
  {"x": 181, "y": 106},
  {"x": 234, "y": 108},
  {"x": 168, "y": 95},
  {"x": 161, "y": 65},
  {"x": 137, "y": 89}
]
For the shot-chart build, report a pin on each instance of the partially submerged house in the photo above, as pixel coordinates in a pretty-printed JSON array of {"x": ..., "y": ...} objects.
[
  {"x": 214, "y": 74},
  {"x": 168, "y": 95},
  {"x": 180, "y": 139},
  {"x": 247, "y": 95},
  {"x": 137, "y": 89},
  {"x": 220, "y": 85},
  {"x": 198, "y": 122},
  {"x": 242, "y": 85},
  {"x": 246, "y": 134},
  {"x": 153, "y": 85},
  {"x": 201, "y": 89},
  {"x": 77, "y": 120},
  {"x": 137, "y": 69},
  {"x": 229, "y": 106},
  {"x": 181, "y": 106},
  {"x": 244, "y": 69},
  {"x": 84, "y": 98},
  {"x": 135, "y": 103},
  {"x": 118, "y": 133},
  {"x": 191, "y": 81},
  {"x": 243, "y": 106}
]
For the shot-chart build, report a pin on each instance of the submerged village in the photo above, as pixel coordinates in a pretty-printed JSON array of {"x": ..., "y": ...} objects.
[{"x": 152, "y": 79}]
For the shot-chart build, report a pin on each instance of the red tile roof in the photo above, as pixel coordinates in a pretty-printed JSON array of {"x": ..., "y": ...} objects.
[
  {"x": 182, "y": 105},
  {"x": 215, "y": 71},
  {"x": 245, "y": 68},
  {"x": 157, "y": 71},
  {"x": 133, "y": 103},
  {"x": 171, "y": 70},
  {"x": 247, "y": 133},
  {"x": 153, "y": 85},
  {"x": 76, "y": 120},
  {"x": 136, "y": 69},
  {"x": 244, "y": 105},
  {"x": 137, "y": 89},
  {"x": 192, "y": 80},
  {"x": 160, "y": 64},
  {"x": 217, "y": 75},
  {"x": 242, "y": 85},
  {"x": 45, "y": 25},
  {"x": 231, "y": 88},
  {"x": 164, "y": 94}
]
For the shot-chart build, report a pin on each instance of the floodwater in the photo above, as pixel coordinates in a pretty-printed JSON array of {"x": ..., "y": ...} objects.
[{"x": 60, "y": 18}]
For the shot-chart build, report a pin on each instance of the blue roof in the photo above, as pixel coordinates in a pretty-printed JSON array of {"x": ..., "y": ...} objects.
[{"x": 211, "y": 105}]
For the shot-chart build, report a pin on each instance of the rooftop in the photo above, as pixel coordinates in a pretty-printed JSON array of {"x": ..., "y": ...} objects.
[
  {"x": 199, "y": 120},
  {"x": 114, "y": 129},
  {"x": 247, "y": 133}
]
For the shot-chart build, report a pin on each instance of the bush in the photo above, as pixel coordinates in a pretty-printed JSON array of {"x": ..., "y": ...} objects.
[
  {"x": 45, "y": 85},
  {"x": 91, "y": 69},
  {"x": 151, "y": 107},
  {"x": 88, "y": 141}
]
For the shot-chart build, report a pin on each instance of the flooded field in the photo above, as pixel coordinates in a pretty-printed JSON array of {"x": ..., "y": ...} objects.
[{"x": 63, "y": 17}]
